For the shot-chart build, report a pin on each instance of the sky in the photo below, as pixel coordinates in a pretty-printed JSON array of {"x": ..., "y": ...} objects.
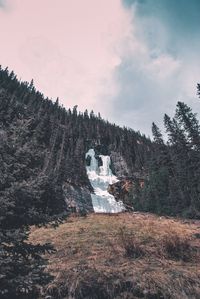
[{"x": 130, "y": 60}]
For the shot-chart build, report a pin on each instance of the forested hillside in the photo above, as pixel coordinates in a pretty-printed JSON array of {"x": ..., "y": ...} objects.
[
  {"x": 44, "y": 145},
  {"x": 173, "y": 183}
]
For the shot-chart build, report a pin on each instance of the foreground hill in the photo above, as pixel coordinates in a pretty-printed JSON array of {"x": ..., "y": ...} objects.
[{"x": 129, "y": 255}]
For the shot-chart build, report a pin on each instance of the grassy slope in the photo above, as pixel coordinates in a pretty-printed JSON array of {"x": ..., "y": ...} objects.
[{"x": 123, "y": 256}]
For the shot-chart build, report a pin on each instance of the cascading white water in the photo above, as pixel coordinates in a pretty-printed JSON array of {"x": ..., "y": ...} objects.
[{"x": 100, "y": 178}]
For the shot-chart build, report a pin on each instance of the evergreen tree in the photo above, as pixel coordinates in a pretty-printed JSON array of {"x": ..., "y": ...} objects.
[
  {"x": 188, "y": 121},
  {"x": 190, "y": 124},
  {"x": 173, "y": 185},
  {"x": 21, "y": 263},
  {"x": 157, "y": 187},
  {"x": 157, "y": 135},
  {"x": 198, "y": 89},
  {"x": 179, "y": 153}
]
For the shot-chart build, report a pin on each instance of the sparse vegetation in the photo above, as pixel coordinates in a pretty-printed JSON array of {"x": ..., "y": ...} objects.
[
  {"x": 178, "y": 247},
  {"x": 130, "y": 243},
  {"x": 130, "y": 255}
]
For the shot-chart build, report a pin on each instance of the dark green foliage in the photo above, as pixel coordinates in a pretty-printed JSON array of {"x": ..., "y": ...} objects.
[
  {"x": 27, "y": 193},
  {"x": 173, "y": 183},
  {"x": 198, "y": 89},
  {"x": 154, "y": 196},
  {"x": 189, "y": 123},
  {"x": 157, "y": 135},
  {"x": 21, "y": 265}
]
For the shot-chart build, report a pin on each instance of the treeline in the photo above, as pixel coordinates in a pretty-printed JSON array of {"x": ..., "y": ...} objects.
[
  {"x": 43, "y": 146},
  {"x": 173, "y": 183},
  {"x": 64, "y": 136}
]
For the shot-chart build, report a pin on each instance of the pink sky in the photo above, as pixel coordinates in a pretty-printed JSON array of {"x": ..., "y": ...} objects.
[{"x": 69, "y": 47}]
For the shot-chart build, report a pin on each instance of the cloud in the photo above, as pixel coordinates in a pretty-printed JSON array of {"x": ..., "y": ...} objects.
[
  {"x": 158, "y": 65},
  {"x": 2, "y": 3},
  {"x": 180, "y": 20},
  {"x": 131, "y": 60}
]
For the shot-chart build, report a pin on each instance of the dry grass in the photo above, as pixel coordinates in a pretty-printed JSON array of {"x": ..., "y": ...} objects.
[{"x": 123, "y": 256}]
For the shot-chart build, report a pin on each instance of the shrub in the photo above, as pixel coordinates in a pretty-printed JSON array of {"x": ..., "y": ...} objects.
[
  {"x": 130, "y": 244},
  {"x": 177, "y": 247}
]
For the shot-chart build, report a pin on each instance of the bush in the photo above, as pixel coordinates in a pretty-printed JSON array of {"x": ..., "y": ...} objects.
[
  {"x": 130, "y": 244},
  {"x": 177, "y": 247}
]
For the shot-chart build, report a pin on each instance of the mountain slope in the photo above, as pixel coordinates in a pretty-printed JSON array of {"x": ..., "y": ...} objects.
[{"x": 47, "y": 145}]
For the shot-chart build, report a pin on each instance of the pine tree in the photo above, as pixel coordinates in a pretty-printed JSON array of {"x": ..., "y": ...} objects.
[
  {"x": 157, "y": 187},
  {"x": 157, "y": 135},
  {"x": 179, "y": 153},
  {"x": 21, "y": 263},
  {"x": 189, "y": 122},
  {"x": 198, "y": 89}
]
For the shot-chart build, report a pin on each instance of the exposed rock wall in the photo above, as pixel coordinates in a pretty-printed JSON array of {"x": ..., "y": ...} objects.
[
  {"x": 119, "y": 165},
  {"x": 78, "y": 198},
  {"x": 125, "y": 190}
]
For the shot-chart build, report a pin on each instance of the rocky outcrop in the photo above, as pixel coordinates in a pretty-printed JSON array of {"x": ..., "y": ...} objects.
[
  {"x": 78, "y": 199},
  {"x": 119, "y": 165},
  {"x": 125, "y": 190}
]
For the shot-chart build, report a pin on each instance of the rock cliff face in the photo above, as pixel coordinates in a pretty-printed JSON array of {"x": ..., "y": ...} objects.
[
  {"x": 119, "y": 165},
  {"x": 78, "y": 198},
  {"x": 111, "y": 182},
  {"x": 47, "y": 145},
  {"x": 125, "y": 190}
]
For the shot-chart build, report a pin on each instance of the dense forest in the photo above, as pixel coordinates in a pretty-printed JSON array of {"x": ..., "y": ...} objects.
[{"x": 172, "y": 186}]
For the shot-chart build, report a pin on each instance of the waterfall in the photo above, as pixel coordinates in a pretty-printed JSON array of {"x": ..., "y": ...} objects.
[{"x": 100, "y": 177}]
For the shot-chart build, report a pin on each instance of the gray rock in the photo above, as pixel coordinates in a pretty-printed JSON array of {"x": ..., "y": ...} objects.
[
  {"x": 78, "y": 198},
  {"x": 119, "y": 165}
]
